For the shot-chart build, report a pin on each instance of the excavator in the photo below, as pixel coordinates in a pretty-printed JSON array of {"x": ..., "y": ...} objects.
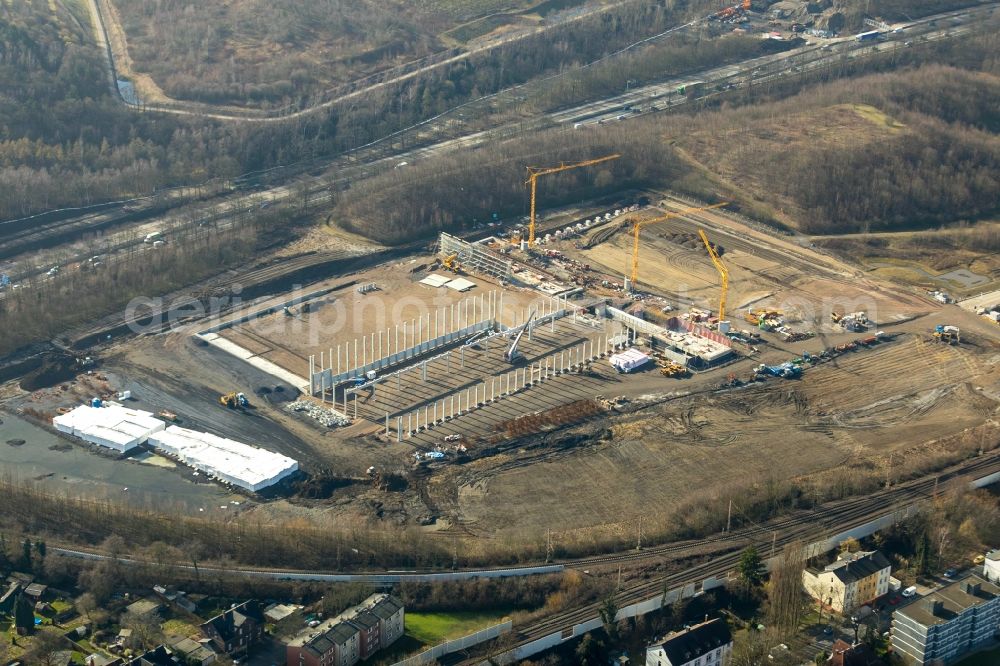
[
  {"x": 451, "y": 263},
  {"x": 512, "y": 355},
  {"x": 672, "y": 369},
  {"x": 234, "y": 400}
]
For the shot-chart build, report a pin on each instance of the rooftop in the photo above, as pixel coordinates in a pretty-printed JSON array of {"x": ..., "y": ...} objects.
[
  {"x": 365, "y": 620},
  {"x": 229, "y": 460},
  {"x": 226, "y": 622},
  {"x": 951, "y": 600},
  {"x": 856, "y": 566},
  {"x": 144, "y": 606},
  {"x": 687, "y": 645},
  {"x": 387, "y": 607}
]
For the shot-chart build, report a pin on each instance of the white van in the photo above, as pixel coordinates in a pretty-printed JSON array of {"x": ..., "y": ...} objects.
[
  {"x": 155, "y": 236},
  {"x": 910, "y": 591}
]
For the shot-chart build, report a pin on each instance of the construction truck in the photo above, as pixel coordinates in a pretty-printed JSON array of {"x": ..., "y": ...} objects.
[
  {"x": 675, "y": 370},
  {"x": 854, "y": 321},
  {"x": 787, "y": 370},
  {"x": 234, "y": 400},
  {"x": 948, "y": 334},
  {"x": 765, "y": 320}
]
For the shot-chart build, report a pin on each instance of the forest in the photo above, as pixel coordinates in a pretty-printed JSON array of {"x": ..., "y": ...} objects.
[
  {"x": 916, "y": 148},
  {"x": 65, "y": 141},
  {"x": 269, "y": 54}
]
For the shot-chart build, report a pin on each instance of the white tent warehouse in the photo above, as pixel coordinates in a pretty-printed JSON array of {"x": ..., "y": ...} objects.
[
  {"x": 225, "y": 459},
  {"x": 629, "y": 360},
  {"x": 111, "y": 426}
]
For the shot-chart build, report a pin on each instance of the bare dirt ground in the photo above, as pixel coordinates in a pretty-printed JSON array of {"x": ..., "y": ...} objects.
[
  {"x": 764, "y": 270},
  {"x": 667, "y": 442},
  {"x": 858, "y": 409},
  {"x": 345, "y": 316}
]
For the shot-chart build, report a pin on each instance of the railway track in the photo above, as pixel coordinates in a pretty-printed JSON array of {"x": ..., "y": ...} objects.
[
  {"x": 842, "y": 516},
  {"x": 246, "y": 285}
]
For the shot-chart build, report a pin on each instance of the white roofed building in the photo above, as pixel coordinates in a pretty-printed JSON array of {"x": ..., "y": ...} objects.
[
  {"x": 225, "y": 459},
  {"x": 629, "y": 360},
  {"x": 112, "y": 426}
]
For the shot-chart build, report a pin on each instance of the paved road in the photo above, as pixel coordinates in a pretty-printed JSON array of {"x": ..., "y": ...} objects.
[
  {"x": 377, "y": 158},
  {"x": 367, "y": 85}
]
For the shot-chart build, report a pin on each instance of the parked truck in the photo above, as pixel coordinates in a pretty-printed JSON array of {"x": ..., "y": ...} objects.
[{"x": 870, "y": 36}]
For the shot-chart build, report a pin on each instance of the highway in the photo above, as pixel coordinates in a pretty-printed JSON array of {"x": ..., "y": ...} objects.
[{"x": 448, "y": 133}]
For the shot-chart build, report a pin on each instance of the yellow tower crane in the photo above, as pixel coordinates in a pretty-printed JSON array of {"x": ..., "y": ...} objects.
[
  {"x": 643, "y": 223},
  {"x": 723, "y": 273},
  {"x": 535, "y": 172}
]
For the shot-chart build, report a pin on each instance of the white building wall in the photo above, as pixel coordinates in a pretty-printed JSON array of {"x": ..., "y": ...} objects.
[{"x": 991, "y": 570}]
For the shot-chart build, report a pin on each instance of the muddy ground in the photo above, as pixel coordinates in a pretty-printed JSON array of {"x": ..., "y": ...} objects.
[{"x": 666, "y": 443}]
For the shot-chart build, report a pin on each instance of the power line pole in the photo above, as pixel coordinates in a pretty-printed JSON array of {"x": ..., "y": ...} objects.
[
  {"x": 729, "y": 516},
  {"x": 548, "y": 545},
  {"x": 638, "y": 543}
]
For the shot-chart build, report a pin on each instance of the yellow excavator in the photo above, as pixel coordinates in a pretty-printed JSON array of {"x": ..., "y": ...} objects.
[
  {"x": 451, "y": 263},
  {"x": 671, "y": 369},
  {"x": 234, "y": 400}
]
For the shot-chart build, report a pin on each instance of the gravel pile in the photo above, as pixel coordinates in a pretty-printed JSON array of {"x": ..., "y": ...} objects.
[{"x": 326, "y": 417}]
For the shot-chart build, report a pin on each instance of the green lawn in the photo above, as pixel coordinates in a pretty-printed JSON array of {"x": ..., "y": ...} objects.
[
  {"x": 991, "y": 658},
  {"x": 61, "y": 605},
  {"x": 433, "y": 628}
]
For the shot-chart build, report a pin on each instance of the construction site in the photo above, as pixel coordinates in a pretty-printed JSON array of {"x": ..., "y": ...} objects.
[{"x": 557, "y": 374}]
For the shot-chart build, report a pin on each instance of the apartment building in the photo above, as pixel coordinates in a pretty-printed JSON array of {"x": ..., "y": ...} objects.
[
  {"x": 948, "y": 623},
  {"x": 707, "y": 644},
  {"x": 854, "y": 580},
  {"x": 354, "y": 635}
]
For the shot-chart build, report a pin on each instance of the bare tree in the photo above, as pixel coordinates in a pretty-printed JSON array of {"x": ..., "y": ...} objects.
[
  {"x": 786, "y": 599},
  {"x": 45, "y": 648},
  {"x": 145, "y": 627}
]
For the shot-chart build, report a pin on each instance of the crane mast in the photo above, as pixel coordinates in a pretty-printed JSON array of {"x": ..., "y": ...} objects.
[
  {"x": 663, "y": 218},
  {"x": 535, "y": 172},
  {"x": 723, "y": 273}
]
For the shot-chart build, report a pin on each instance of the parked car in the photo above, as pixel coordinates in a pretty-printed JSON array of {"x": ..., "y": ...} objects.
[{"x": 910, "y": 591}]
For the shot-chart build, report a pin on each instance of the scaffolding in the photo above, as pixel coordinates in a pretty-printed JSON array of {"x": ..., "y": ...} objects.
[{"x": 476, "y": 257}]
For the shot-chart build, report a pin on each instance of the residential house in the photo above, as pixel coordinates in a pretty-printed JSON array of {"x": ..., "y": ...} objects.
[
  {"x": 707, "y": 644},
  {"x": 278, "y": 612},
  {"x": 35, "y": 592},
  {"x": 159, "y": 656},
  {"x": 144, "y": 606},
  {"x": 389, "y": 611},
  {"x": 194, "y": 652},
  {"x": 845, "y": 654},
  {"x": 991, "y": 567},
  {"x": 177, "y": 598},
  {"x": 333, "y": 643},
  {"x": 854, "y": 580},
  {"x": 238, "y": 629},
  {"x": 9, "y": 597},
  {"x": 948, "y": 623}
]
